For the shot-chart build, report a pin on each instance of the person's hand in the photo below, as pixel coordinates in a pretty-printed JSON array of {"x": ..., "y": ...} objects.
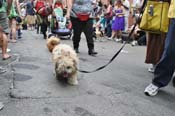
[
  {"x": 1, "y": 29},
  {"x": 8, "y": 12},
  {"x": 67, "y": 15}
]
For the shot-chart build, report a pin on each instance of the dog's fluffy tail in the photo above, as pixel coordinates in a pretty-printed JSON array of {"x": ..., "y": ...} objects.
[{"x": 52, "y": 42}]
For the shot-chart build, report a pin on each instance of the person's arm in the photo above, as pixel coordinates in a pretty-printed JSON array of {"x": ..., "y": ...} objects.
[
  {"x": 69, "y": 8},
  {"x": 108, "y": 9},
  {"x": 126, "y": 6},
  {"x": 18, "y": 7},
  {"x": 34, "y": 3},
  {"x": 9, "y": 5},
  {"x": 49, "y": 2}
]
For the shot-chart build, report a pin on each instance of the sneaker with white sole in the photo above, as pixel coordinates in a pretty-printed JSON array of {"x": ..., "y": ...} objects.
[
  {"x": 152, "y": 68},
  {"x": 151, "y": 90},
  {"x": 110, "y": 38},
  {"x": 117, "y": 39}
]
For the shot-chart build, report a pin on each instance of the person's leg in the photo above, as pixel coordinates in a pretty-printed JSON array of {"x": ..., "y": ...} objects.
[
  {"x": 173, "y": 81},
  {"x": 18, "y": 31},
  {"x": 126, "y": 23},
  {"x": 88, "y": 30},
  {"x": 13, "y": 29},
  {"x": 44, "y": 29},
  {"x": 44, "y": 26},
  {"x": 118, "y": 39},
  {"x": 109, "y": 30},
  {"x": 77, "y": 30},
  {"x": 5, "y": 55},
  {"x": 165, "y": 68},
  {"x": 113, "y": 35}
]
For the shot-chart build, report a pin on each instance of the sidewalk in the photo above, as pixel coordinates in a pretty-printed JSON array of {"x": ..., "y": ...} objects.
[{"x": 29, "y": 87}]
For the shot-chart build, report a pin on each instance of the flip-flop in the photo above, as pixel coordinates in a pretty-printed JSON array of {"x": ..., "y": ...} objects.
[{"x": 6, "y": 58}]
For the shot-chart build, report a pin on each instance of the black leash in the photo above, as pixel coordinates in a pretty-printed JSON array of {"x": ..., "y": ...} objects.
[{"x": 102, "y": 67}]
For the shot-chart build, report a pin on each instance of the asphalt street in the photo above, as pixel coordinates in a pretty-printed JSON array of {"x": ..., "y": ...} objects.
[{"x": 29, "y": 87}]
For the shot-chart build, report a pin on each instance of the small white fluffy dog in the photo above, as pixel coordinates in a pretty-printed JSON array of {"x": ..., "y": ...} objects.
[{"x": 65, "y": 60}]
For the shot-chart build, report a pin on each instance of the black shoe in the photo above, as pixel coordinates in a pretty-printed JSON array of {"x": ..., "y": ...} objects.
[
  {"x": 92, "y": 53},
  {"x": 44, "y": 37},
  {"x": 76, "y": 50},
  {"x": 19, "y": 37}
]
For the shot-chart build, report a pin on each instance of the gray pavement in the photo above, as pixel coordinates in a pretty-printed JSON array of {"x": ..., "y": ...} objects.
[{"x": 29, "y": 87}]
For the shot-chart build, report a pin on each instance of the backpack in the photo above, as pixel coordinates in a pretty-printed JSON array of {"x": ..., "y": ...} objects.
[{"x": 43, "y": 9}]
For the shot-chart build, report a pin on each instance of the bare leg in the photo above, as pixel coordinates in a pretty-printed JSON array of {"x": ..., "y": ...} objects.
[
  {"x": 13, "y": 30},
  {"x": 113, "y": 35},
  {"x": 4, "y": 47}
]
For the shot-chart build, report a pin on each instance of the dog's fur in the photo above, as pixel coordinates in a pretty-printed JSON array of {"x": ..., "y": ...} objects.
[{"x": 65, "y": 60}]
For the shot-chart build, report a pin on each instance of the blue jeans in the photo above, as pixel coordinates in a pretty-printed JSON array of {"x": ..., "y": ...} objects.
[
  {"x": 108, "y": 27},
  {"x": 166, "y": 66}
]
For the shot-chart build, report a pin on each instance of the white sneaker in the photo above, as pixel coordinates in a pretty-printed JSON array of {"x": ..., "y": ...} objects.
[
  {"x": 118, "y": 39},
  {"x": 134, "y": 43},
  {"x": 151, "y": 69},
  {"x": 110, "y": 38},
  {"x": 151, "y": 90}
]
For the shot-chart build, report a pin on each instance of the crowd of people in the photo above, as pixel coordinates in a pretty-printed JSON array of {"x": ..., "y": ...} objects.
[{"x": 95, "y": 19}]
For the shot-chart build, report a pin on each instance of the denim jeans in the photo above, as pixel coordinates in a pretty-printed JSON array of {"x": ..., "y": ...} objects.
[
  {"x": 108, "y": 27},
  {"x": 166, "y": 66}
]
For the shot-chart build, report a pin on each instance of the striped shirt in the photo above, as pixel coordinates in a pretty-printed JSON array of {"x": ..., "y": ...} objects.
[{"x": 4, "y": 7}]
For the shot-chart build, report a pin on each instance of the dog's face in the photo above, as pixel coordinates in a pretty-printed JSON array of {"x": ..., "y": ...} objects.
[{"x": 65, "y": 66}]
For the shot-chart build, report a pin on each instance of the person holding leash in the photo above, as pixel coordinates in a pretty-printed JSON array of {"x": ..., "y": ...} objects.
[
  {"x": 165, "y": 68},
  {"x": 80, "y": 13}
]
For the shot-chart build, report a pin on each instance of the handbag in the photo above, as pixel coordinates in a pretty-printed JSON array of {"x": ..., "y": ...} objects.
[{"x": 155, "y": 17}]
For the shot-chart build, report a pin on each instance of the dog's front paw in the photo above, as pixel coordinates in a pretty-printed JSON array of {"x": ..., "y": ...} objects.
[{"x": 73, "y": 82}]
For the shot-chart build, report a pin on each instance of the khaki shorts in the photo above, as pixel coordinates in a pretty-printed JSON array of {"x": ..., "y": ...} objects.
[{"x": 30, "y": 19}]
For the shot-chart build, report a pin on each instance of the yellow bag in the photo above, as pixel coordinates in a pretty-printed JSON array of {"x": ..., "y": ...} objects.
[
  {"x": 155, "y": 17},
  {"x": 171, "y": 13}
]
